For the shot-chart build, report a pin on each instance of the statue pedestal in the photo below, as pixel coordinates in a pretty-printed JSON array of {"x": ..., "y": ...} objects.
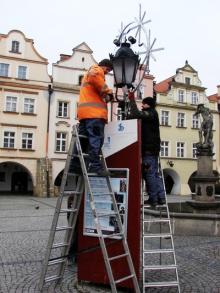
[{"x": 204, "y": 179}]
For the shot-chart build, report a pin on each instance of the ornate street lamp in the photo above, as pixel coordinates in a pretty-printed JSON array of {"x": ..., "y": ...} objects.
[{"x": 125, "y": 64}]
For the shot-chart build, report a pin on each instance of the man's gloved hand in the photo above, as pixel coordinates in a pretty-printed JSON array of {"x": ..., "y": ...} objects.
[
  {"x": 131, "y": 96},
  {"x": 109, "y": 98}
]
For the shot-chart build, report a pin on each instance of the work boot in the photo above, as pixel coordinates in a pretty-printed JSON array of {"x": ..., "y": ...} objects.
[
  {"x": 150, "y": 202},
  {"x": 100, "y": 172},
  {"x": 161, "y": 201},
  {"x": 103, "y": 173},
  {"x": 75, "y": 170}
]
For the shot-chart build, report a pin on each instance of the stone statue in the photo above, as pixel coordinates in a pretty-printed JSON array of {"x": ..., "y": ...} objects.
[{"x": 205, "y": 131}]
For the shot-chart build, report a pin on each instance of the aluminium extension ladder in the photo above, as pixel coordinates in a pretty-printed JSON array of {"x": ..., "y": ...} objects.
[
  {"x": 159, "y": 265},
  {"x": 77, "y": 194}
]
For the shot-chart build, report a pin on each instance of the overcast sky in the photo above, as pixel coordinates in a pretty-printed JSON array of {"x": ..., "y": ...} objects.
[{"x": 188, "y": 30}]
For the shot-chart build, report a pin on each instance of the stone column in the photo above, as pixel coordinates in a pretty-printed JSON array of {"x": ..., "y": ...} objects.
[{"x": 205, "y": 179}]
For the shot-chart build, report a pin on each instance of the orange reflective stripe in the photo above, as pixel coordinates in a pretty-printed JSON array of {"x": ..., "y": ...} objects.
[
  {"x": 97, "y": 105},
  {"x": 86, "y": 84}
]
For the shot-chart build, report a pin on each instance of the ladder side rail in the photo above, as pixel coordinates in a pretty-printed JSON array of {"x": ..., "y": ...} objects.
[
  {"x": 72, "y": 223},
  {"x": 96, "y": 219},
  {"x": 56, "y": 215},
  {"x": 94, "y": 212},
  {"x": 121, "y": 230},
  {"x": 170, "y": 228}
]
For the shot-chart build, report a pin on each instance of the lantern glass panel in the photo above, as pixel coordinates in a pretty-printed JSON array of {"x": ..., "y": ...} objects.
[
  {"x": 118, "y": 70},
  {"x": 130, "y": 65}
]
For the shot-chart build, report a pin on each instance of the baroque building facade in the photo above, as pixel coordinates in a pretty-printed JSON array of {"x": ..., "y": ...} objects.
[
  {"x": 177, "y": 98},
  {"x": 24, "y": 82}
]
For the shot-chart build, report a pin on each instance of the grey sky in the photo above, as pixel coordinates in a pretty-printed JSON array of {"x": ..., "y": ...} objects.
[{"x": 188, "y": 30}]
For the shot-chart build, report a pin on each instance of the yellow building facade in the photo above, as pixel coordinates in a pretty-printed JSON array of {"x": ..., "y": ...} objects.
[{"x": 177, "y": 99}]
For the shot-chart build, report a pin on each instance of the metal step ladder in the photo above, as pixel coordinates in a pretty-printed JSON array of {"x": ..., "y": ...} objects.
[
  {"x": 63, "y": 224},
  {"x": 159, "y": 265},
  {"x": 90, "y": 180}
]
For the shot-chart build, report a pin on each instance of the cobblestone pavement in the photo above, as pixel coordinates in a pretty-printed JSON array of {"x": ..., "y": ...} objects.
[{"x": 24, "y": 228}]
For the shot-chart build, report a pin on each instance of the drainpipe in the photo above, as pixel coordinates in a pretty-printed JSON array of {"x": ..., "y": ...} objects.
[{"x": 50, "y": 91}]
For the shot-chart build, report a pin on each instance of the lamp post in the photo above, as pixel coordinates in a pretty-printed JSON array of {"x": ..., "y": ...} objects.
[{"x": 125, "y": 64}]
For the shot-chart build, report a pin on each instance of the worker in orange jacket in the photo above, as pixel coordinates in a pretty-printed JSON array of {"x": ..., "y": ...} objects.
[{"x": 93, "y": 115}]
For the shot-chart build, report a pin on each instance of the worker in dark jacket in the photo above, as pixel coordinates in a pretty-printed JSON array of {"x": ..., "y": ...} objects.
[{"x": 150, "y": 147}]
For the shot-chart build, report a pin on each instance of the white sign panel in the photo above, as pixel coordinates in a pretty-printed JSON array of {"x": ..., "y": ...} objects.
[
  {"x": 119, "y": 135},
  {"x": 103, "y": 203}
]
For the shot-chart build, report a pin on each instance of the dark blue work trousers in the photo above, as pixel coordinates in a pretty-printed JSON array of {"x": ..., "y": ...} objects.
[
  {"x": 152, "y": 177},
  {"x": 94, "y": 130}
]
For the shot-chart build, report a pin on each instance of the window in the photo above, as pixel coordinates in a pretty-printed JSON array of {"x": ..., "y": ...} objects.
[
  {"x": 164, "y": 151},
  {"x": 27, "y": 140},
  {"x": 180, "y": 119},
  {"x": 194, "y": 151},
  {"x": 4, "y": 69},
  {"x": 22, "y": 72},
  {"x": 187, "y": 80},
  {"x": 2, "y": 176},
  {"x": 11, "y": 104},
  {"x": 195, "y": 121},
  {"x": 61, "y": 141},
  {"x": 29, "y": 105},
  {"x": 180, "y": 149},
  {"x": 181, "y": 96},
  {"x": 194, "y": 98},
  {"x": 9, "y": 139},
  {"x": 165, "y": 118},
  {"x": 15, "y": 47},
  {"x": 80, "y": 79},
  {"x": 63, "y": 109}
]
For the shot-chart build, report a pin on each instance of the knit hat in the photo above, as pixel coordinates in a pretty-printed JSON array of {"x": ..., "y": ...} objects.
[
  {"x": 149, "y": 101},
  {"x": 106, "y": 62}
]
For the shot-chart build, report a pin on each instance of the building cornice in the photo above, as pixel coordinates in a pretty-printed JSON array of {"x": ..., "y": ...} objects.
[
  {"x": 187, "y": 86},
  {"x": 19, "y": 91},
  {"x": 24, "y": 60},
  {"x": 182, "y": 107},
  {"x": 18, "y": 125},
  {"x": 23, "y": 85}
]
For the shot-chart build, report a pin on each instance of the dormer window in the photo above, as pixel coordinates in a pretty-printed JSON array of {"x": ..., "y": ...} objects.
[
  {"x": 15, "y": 46},
  {"x": 187, "y": 80}
]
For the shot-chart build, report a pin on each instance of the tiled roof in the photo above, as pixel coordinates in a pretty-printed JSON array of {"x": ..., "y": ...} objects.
[
  {"x": 214, "y": 98},
  {"x": 163, "y": 86}
]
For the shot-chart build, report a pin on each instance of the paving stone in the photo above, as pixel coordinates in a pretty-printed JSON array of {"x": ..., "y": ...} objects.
[{"x": 24, "y": 231}]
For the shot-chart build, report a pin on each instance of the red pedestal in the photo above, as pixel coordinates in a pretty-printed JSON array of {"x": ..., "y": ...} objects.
[{"x": 90, "y": 260}]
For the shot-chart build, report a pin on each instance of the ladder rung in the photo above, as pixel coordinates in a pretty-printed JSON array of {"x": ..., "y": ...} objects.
[
  {"x": 156, "y": 220},
  {"x": 106, "y": 215},
  {"x": 113, "y": 235},
  {"x": 159, "y": 251},
  {"x": 52, "y": 278},
  {"x": 61, "y": 244},
  {"x": 68, "y": 210},
  {"x": 118, "y": 256},
  {"x": 80, "y": 135},
  {"x": 161, "y": 284},
  {"x": 61, "y": 228},
  {"x": 158, "y": 205},
  {"x": 160, "y": 267},
  {"x": 97, "y": 194},
  {"x": 123, "y": 279},
  {"x": 56, "y": 261},
  {"x": 161, "y": 235}
]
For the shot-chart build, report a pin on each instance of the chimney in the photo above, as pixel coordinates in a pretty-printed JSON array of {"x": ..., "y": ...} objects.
[{"x": 64, "y": 57}]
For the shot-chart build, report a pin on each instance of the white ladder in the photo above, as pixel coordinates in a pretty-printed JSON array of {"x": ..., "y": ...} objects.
[
  {"x": 89, "y": 180},
  {"x": 159, "y": 267}
]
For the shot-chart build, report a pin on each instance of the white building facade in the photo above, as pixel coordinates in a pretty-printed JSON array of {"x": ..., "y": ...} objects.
[{"x": 24, "y": 84}]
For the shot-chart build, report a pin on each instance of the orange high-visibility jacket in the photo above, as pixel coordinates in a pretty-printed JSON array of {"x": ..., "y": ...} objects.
[{"x": 92, "y": 93}]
